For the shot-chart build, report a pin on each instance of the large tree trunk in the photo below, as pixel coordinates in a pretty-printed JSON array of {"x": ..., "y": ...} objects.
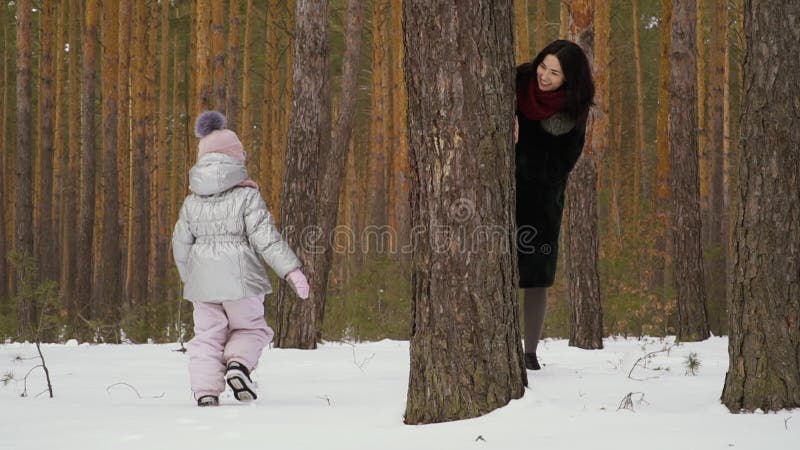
[
  {"x": 300, "y": 321},
  {"x": 88, "y": 161},
  {"x": 23, "y": 196},
  {"x": 639, "y": 147},
  {"x": 466, "y": 352},
  {"x": 586, "y": 312},
  {"x": 687, "y": 252},
  {"x": 108, "y": 299},
  {"x": 764, "y": 344}
]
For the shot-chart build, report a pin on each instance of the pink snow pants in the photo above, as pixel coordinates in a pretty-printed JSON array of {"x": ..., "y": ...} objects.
[{"x": 229, "y": 331}]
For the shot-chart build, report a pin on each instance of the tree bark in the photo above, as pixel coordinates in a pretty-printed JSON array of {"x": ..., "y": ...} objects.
[
  {"x": 466, "y": 352},
  {"x": 401, "y": 173},
  {"x": 764, "y": 320},
  {"x": 687, "y": 252},
  {"x": 586, "y": 312},
  {"x": 300, "y": 321},
  {"x": 23, "y": 196}
]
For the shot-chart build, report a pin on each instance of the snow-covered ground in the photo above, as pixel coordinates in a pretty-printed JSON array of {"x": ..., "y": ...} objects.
[{"x": 345, "y": 396}]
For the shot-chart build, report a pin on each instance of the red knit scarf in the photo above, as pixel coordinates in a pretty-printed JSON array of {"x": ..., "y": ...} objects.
[{"x": 536, "y": 104}]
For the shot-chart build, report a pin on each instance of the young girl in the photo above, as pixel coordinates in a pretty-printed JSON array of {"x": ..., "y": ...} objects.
[
  {"x": 222, "y": 230},
  {"x": 554, "y": 94}
]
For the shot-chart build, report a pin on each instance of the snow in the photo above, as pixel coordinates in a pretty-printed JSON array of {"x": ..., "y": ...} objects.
[{"x": 352, "y": 396}]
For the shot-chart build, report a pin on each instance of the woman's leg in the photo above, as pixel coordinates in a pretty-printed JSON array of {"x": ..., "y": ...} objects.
[
  {"x": 206, "y": 368},
  {"x": 534, "y": 309}
]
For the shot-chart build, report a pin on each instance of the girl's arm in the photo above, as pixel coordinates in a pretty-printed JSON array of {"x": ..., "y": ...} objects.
[
  {"x": 182, "y": 241},
  {"x": 265, "y": 238}
]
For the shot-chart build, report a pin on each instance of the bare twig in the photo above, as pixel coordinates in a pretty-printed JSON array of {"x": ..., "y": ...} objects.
[
  {"x": 108, "y": 390},
  {"x": 786, "y": 422},
  {"x": 46, "y": 371},
  {"x": 480, "y": 438},
  {"x": 627, "y": 401},
  {"x": 644, "y": 359},
  {"x": 326, "y": 398},
  {"x": 363, "y": 363}
]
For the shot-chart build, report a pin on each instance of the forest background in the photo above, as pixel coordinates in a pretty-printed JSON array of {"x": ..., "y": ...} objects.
[{"x": 133, "y": 76}]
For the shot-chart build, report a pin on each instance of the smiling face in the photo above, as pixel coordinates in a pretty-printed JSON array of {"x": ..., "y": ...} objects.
[{"x": 549, "y": 74}]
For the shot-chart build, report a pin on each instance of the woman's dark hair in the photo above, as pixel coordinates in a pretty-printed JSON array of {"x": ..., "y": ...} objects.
[{"x": 578, "y": 84}]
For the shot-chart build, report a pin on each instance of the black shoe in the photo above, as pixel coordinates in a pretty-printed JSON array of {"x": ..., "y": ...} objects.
[
  {"x": 238, "y": 378},
  {"x": 531, "y": 362},
  {"x": 208, "y": 400}
]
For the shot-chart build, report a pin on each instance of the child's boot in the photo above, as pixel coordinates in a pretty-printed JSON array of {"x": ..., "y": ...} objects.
[
  {"x": 208, "y": 400},
  {"x": 238, "y": 378}
]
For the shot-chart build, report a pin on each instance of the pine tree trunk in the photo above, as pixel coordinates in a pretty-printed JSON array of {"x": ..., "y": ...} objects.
[
  {"x": 88, "y": 161},
  {"x": 466, "y": 352},
  {"x": 23, "y": 199},
  {"x": 162, "y": 234},
  {"x": 72, "y": 167},
  {"x": 140, "y": 218},
  {"x": 718, "y": 216},
  {"x": 586, "y": 313},
  {"x": 399, "y": 98},
  {"x": 108, "y": 298},
  {"x": 204, "y": 86},
  {"x": 232, "y": 63},
  {"x": 662, "y": 190},
  {"x": 764, "y": 345},
  {"x": 687, "y": 252},
  {"x": 331, "y": 185},
  {"x": 522, "y": 46},
  {"x": 219, "y": 57},
  {"x": 124, "y": 145},
  {"x": 45, "y": 247},
  {"x": 246, "y": 109},
  {"x": 5, "y": 214},
  {"x": 540, "y": 33},
  {"x": 299, "y": 321},
  {"x": 379, "y": 145},
  {"x": 639, "y": 141}
]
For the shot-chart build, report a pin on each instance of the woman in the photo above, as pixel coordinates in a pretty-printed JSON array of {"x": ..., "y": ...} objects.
[{"x": 554, "y": 94}]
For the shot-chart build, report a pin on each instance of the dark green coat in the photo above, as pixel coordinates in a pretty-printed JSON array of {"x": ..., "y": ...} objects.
[{"x": 546, "y": 152}]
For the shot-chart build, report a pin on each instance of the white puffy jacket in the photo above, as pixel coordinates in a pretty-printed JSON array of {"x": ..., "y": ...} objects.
[{"x": 221, "y": 232}]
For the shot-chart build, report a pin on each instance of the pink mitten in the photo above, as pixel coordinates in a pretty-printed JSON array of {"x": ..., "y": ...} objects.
[{"x": 298, "y": 282}]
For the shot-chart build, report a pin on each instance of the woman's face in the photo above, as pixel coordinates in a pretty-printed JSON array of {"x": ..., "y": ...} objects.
[{"x": 549, "y": 74}]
